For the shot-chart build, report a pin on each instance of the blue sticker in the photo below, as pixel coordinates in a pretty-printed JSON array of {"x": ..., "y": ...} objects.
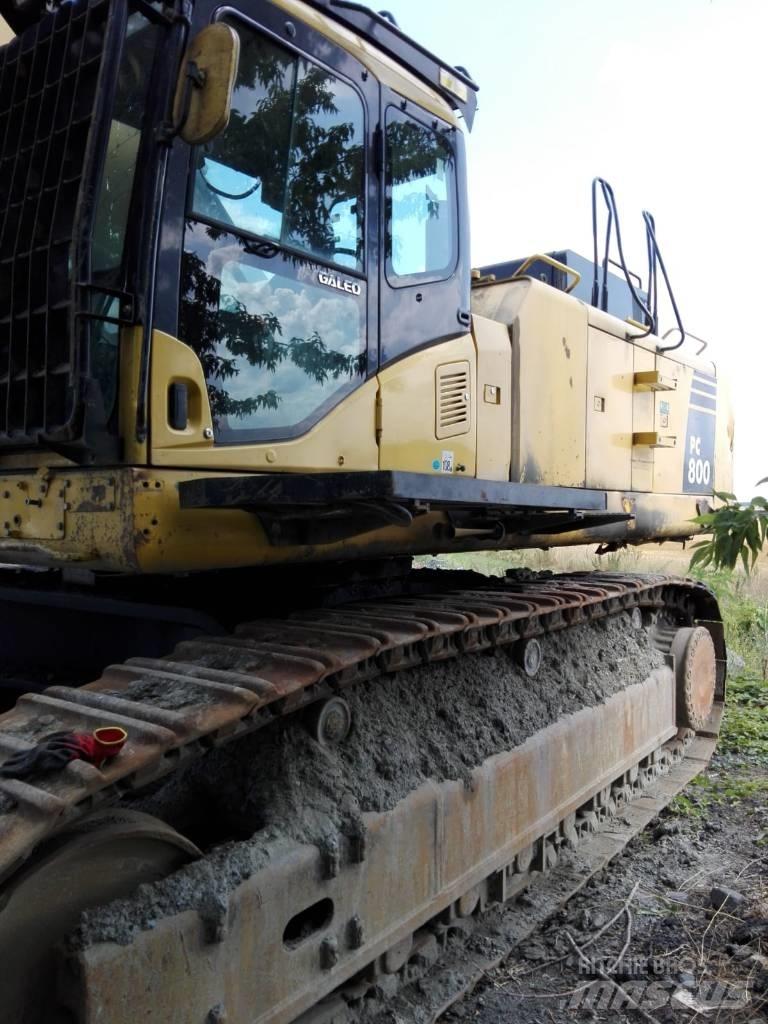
[
  {"x": 435, "y": 463},
  {"x": 699, "y": 458}
]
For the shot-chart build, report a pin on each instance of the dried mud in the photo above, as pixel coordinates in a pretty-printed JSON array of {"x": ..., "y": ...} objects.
[
  {"x": 436, "y": 722},
  {"x": 167, "y": 694}
]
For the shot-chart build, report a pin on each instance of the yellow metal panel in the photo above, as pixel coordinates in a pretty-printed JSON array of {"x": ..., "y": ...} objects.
[
  {"x": 625, "y": 330},
  {"x": 344, "y": 439},
  {"x": 724, "y": 439},
  {"x": 494, "y": 398},
  {"x": 407, "y": 396},
  {"x": 670, "y": 419},
  {"x": 609, "y": 412},
  {"x": 67, "y": 516},
  {"x": 173, "y": 362},
  {"x": 131, "y": 341},
  {"x": 549, "y": 378},
  {"x": 643, "y": 406}
]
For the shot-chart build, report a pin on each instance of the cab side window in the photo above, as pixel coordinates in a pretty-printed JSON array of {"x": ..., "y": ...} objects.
[{"x": 421, "y": 210}]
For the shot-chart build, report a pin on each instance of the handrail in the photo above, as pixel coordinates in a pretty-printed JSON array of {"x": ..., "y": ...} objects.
[
  {"x": 704, "y": 344},
  {"x": 650, "y": 228},
  {"x": 541, "y": 257},
  {"x": 601, "y": 293},
  {"x": 650, "y": 307}
]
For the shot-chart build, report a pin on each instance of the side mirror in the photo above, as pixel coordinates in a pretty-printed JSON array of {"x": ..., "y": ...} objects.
[{"x": 206, "y": 80}]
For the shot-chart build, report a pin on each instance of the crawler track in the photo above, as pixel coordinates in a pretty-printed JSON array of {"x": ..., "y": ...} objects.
[
  {"x": 235, "y": 685},
  {"x": 458, "y": 947},
  {"x": 213, "y": 690}
]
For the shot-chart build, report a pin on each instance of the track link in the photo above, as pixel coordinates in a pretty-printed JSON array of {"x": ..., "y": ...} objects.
[
  {"x": 458, "y": 947},
  {"x": 213, "y": 690}
]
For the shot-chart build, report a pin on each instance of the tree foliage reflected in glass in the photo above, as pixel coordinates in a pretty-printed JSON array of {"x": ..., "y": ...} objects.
[
  {"x": 286, "y": 178},
  {"x": 289, "y": 167},
  {"x": 275, "y": 345}
]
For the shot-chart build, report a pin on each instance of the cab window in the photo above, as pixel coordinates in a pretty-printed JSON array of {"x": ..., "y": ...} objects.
[
  {"x": 289, "y": 167},
  {"x": 273, "y": 290},
  {"x": 421, "y": 236}
]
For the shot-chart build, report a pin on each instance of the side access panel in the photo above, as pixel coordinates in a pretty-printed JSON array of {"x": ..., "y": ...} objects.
[
  {"x": 609, "y": 412},
  {"x": 494, "y": 398}
]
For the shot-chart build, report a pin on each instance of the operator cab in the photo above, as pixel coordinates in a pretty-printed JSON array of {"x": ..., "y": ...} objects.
[{"x": 319, "y": 237}]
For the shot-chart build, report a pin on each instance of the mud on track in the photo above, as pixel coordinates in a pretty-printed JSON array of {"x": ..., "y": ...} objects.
[{"x": 433, "y": 722}]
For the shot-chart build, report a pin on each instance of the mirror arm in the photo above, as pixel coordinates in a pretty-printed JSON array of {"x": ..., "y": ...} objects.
[{"x": 194, "y": 78}]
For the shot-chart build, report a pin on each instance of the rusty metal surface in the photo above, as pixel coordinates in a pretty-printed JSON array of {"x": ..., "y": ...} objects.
[
  {"x": 696, "y": 670},
  {"x": 233, "y": 685},
  {"x": 459, "y": 969},
  {"x": 422, "y": 856}
]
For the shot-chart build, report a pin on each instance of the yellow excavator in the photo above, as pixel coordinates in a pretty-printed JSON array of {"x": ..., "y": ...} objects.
[{"x": 255, "y": 766}]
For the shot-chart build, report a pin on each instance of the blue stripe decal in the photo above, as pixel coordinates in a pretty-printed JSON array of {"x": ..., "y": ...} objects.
[
  {"x": 705, "y": 401},
  {"x": 710, "y": 389}
]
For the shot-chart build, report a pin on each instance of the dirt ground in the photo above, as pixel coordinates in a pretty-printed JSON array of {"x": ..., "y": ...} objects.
[{"x": 651, "y": 938}]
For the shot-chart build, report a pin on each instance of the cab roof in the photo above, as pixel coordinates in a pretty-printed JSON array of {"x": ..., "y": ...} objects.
[{"x": 453, "y": 84}]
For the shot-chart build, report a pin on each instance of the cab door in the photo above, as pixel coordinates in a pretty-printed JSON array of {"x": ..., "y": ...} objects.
[
  {"x": 278, "y": 282},
  {"x": 424, "y": 275}
]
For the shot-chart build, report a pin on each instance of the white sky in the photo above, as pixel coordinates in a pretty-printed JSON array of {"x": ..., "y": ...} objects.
[{"x": 664, "y": 98}]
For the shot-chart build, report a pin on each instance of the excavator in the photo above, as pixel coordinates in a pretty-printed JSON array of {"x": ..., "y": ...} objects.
[{"x": 256, "y": 758}]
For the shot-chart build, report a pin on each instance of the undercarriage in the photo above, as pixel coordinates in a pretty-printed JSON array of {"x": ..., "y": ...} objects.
[{"x": 324, "y": 794}]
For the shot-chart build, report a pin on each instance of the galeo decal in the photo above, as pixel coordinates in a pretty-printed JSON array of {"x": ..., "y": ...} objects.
[
  {"x": 699, "y": 455},
  {"x": 341, "y": 283}
]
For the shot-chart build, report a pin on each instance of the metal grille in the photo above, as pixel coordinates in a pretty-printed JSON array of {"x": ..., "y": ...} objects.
[
  {"x": 48, "y": 94},
  {"x": 453, "y": 399}
]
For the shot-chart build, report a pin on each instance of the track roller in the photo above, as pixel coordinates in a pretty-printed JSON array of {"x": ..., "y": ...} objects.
[
  {"x": 528, "y": 656},
  {"x": 330, "y": 721}
]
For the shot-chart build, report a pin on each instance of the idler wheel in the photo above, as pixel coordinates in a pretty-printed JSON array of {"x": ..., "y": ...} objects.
[{"x": 696, "y": 676}]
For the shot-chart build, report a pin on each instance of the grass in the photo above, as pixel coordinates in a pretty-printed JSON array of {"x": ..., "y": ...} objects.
[{"x": 744, "y": 607}]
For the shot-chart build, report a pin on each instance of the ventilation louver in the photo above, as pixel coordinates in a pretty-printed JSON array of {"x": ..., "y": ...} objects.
[{"x": 453, "y": 411}]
